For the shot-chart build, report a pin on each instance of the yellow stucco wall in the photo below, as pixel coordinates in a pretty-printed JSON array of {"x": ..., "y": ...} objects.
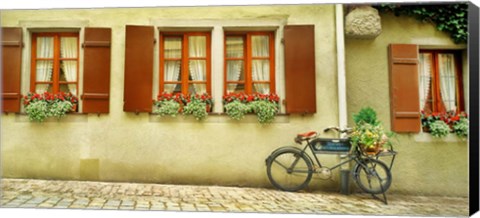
[
  {"x": 424, "y": 165},
  {"x": 127, "y": 147},
  {"x": 123, "y": 146}
]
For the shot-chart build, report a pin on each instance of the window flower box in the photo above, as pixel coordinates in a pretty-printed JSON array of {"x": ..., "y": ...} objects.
[
  {"x": 441, "y": 124},
  {"x": 265, "y": 106},
  {"x": 169, "y": 104},
  {"x": 41, "y": 106},
  {"x": 198, "y": 106}
]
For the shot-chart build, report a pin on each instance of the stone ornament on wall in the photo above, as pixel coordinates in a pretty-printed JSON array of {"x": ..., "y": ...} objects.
[{"x": 363, "y": 22}]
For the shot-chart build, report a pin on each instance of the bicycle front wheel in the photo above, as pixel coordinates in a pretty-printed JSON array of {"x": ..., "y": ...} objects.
[
  {"x": 289, "y": 170},
  {"x": 372, "y": 176}
]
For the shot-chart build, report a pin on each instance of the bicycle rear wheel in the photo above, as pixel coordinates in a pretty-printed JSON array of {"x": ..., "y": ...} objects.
[
  {"x": 289, "y": 170},
  {"x": 372, "y": 176}
]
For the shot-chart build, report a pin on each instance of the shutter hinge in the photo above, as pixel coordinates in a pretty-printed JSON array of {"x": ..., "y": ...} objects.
[
  {"x": 154, "y": 41},
  {"x": 282, "y": 40}
]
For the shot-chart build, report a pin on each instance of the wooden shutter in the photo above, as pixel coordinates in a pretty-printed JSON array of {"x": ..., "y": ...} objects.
[
  {"x": 96, "y": 70},
  {"x": 299, "y": 42},
  {"x": 139, "y": 43},
  {"x": 404, "y": 94},
  {"x": 11, "y": 68}
]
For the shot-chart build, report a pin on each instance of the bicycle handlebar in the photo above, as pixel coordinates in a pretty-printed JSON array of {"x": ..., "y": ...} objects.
[{"x": 346, "y": 130}]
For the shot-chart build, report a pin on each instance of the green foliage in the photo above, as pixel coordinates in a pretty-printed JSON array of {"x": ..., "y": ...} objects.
[
  {"x": 41, "y": 106},
  {"x": 366, "y": 115},
  {"x": 439, "y": 129},
  {"x": 60, "y": 108},
  {"x": 167, "y": 108},
  {"x": 265, "y": 106},
  {"x": 265, "y": 110},
  {"x": 196, "y": 108},
  {"x": 461, "y": 128},
  {"x": 456, "y": 122},
  {"x": 37, "y": 111},
  {"x": 170, "y": 104},
  {"x": 236, "y": 109},
  {"x": 450, "y": 18}
]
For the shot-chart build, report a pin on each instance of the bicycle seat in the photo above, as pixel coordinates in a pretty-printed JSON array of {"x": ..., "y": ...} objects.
[{"x": 307, "y": 135}]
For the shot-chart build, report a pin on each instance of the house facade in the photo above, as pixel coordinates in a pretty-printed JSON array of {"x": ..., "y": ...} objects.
[{"x": 117, "y": 60}]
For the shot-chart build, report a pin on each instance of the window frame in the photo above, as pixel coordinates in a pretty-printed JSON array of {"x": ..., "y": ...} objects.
[
  {"x": 184, "y": 81},
  {"x": 248, "y": 58},
  {"x": 436, "y": 99},
  {"x": 56, "y": 60}
]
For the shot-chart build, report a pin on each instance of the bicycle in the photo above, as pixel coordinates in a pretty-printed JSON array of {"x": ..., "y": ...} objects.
[{"x": 291, "y": 168}]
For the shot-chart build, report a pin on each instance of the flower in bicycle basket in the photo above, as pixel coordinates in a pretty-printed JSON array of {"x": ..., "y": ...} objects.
[
  {"x": 367, "y": 135},
  {"x": 368, "y": 131}
]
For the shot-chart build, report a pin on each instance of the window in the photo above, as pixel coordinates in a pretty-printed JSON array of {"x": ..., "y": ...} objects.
[
  {"x": 54, "y": 63},
  {"x": 185, "y": 62},
  {"x": 440, "y": 81},
  {"x": 249, "y": 62}
]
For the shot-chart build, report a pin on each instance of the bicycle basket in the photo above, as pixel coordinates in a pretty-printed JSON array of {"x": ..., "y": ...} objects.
[{"x": 325, "y": 145}]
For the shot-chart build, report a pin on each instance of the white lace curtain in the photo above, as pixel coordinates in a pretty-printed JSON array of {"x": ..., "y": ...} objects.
[
  {"x": 234, "y": 70},
  {"x": 260, "y": 68},
  {"x": 44, "y": 69},
  {"x": 68, "y": 49},
  {"x": 197, "y": 48},
  {"x": 424, "y": 74},
  {"x": 234, "y": 67},
  {"x": 173, "y": 49},
  {"x": 446, "y": 65}
]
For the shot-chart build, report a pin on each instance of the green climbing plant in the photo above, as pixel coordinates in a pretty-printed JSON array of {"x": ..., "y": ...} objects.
[{"x": 450, "y": 18}]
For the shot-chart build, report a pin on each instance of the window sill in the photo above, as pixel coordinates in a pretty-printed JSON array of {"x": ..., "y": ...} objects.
[
  {"x": 427, "y": 137},
  {"x": 69, "y": 118},
  {"x": 216, "y": 118}
]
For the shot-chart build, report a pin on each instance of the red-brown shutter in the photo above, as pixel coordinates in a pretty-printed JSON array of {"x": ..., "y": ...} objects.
[
  {"x": 11, "y": 68},
  {"x": 96, "y": 70},
  {"x": 404, "y": 94},
  {"x": 139, "y": 44},
  {"x": 299, "y": 42}
]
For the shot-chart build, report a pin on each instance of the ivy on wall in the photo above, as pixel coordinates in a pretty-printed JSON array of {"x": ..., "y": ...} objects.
[{"x": 450, "y": 18}]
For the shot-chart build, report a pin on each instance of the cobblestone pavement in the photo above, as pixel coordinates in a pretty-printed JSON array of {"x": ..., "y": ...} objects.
[{"x": 18, "y": 193}]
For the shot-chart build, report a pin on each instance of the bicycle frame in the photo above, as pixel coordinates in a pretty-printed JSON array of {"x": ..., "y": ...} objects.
[
  {"x": 367, "y": 166},
  {"x": 355, "y": 157}
]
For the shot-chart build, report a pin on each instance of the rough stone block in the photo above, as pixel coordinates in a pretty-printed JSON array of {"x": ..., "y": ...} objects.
[{"x": 363, "y": 23}]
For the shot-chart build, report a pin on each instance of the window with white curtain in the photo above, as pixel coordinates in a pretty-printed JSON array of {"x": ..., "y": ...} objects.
[
  {"x": 440, "y": 81},
  {"x": 54, "y": 63},
  {"x": 185, "y": 62},
  {"x": 249, "y": 62}
]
